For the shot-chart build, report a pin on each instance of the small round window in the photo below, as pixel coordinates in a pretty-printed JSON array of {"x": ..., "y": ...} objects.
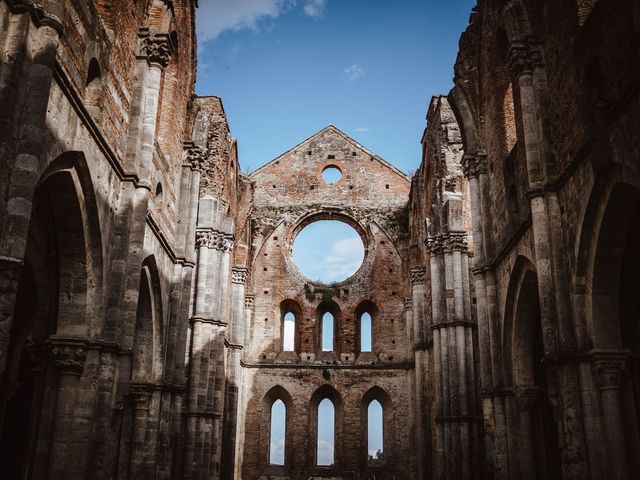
[{"x": 331, "y": 174}]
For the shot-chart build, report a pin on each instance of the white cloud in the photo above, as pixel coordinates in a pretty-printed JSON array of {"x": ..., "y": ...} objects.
[
  {"x": 354, "y": 72},
  {"x": 217, "y": 16},
  {"x": 343, "y": 260},
  {"x": 325, "y": 453},
  {"x": 315, "y": 8},
  {"x": 362, "y": 130}
]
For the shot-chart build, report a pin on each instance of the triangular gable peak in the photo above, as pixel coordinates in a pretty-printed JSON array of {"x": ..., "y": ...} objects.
[{"x": 362, "y": 152}]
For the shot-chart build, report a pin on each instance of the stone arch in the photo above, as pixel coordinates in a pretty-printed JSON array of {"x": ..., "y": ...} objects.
[
  {"x": 275, "y": 393},
  {"x": 465, "y": 116},
  {"x": 148, "y": 338},
  {"x": 606, "y": 226},
  {"x": 58, "y": 295},
  {"x": 380, "y": 394},
  {"x": 526, "y": 372},
  {"x": 607, "y": 286},
  {"x": 329, "y": 306},
  {"x": 367, "y": 306},
  {"x": 291, "y": 306},
  {"x": 516, "y": 20},
  {"x": 329, "y": 392}
]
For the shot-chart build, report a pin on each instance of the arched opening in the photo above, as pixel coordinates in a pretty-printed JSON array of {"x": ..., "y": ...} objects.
[
  {"x": 93, "y": 89},
  {"x": 328, "y": 317},
  {"x": 158, "y": 200},
  {"x": 290, "y": 315},
  {"x": 325, "y": 440},
  {"x": 366, "y": 339},
  {"x": 275, "y": 428},
  {"x": 377, "y": 430},
  {"x": 277, "y": 433},
  {"x": 327, "y": 332},
  {"x": 60, "y": 275},
  {"x": 375, "y": 434},
  {"x": 326, "y": 417},
  {"x": 148, "y": 335},
  {"x": 366, "y": 314},
  {"x": 615, "y": 309},
  {"x": 538, "y": 428},
  {"x": 288, "y": 332}
]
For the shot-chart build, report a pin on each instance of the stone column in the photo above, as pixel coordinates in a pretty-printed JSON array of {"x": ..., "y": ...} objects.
[
  {"x": 219, "y": 385},
  {"x": 68, "y": 454},
  {"x": 141, "y": 395},
  {"x": 249, "y": 303},
  {"x": 233, "y": 392},
  {"x": 25, "y": 86},
  {"x": 609, "y": 368},
  {"x": 419, "y": 344},
  {"x": 527, "y": 65}
]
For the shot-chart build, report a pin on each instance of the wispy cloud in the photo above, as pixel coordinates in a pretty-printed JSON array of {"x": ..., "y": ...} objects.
[
  {"x": 361, "y": 130},
  {"x": 315, "y": 8},
  {"x": 217, "y": 16},
  {"x": 343, "y": 260},
  {"x": 354, "y": 72}
]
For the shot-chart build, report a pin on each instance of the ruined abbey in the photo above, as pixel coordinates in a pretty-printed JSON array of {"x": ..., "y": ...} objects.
[{"x": 152, "y": 319}]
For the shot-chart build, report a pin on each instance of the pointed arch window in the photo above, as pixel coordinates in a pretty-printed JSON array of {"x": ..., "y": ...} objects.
[
  {"x": 277, "y": 431},
  {"x": 289, "y": 332},
  {"x": 375, "y": 433},
  {"x": 366, "y": 332},
  {"x": 327, "y": 332},
  {"x": 325, "y": 442}
]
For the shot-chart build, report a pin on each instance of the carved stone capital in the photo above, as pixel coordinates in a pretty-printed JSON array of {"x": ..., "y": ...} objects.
[
  {"x": 417, "y": 276},
  {"x": 141, "y": 395},
  {"x": 156, "y": 49},
  {"x": 523, "y": 58},
  {"x": 69, "y": 356},
  {"x": 434, "y": 245},
  {"x": 609, "y": 368},
  {"x": 195, "y": 157},
  {"x": 474, "y": 165},
  {"x": 456, "y": 243},
  {"x": 249, "y": 301},
  {"x": 239, "y": 275},
  {"x": 209, "y": 239},
  {"x": 227, "y": 244}
]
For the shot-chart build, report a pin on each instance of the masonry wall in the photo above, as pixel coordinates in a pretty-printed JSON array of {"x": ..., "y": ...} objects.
[
  {"x": 545, "y": 95},
  {"x": 289, "y": 193}
]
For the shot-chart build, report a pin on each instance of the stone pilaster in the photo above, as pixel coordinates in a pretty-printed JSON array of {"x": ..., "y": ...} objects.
[{"x": 609, "y": 367}]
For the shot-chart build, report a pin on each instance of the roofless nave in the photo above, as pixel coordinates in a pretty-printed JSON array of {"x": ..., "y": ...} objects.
[{"x": 153, "y": 323}]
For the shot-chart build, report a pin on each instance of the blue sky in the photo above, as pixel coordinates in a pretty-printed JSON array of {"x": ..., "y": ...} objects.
[{"x": 287, "y": 68}]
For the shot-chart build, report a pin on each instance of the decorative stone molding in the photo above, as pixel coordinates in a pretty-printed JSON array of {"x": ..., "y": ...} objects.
[
  {"x": 527, "y": 396},
  {"x": 239, "y": 275},
  {"x": 456, "y": 243},
  {"x": 474, "y": 165},
  {"x": 69, "y": 357},
  {"x": 227, "y": 244},
  {"x": 156, "y": 49},
  {"x": 417, "y": 276},
  {"x": 249, "y": 301},
  {"x": 195, "y": 157},
  {"x": 434, "y": 245},
  {"x": 141, "y": 395},
  {"x": 523, "y": 58},
  {"x": 214, "y": 240},
  {"x": 609, "y": 368}
]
